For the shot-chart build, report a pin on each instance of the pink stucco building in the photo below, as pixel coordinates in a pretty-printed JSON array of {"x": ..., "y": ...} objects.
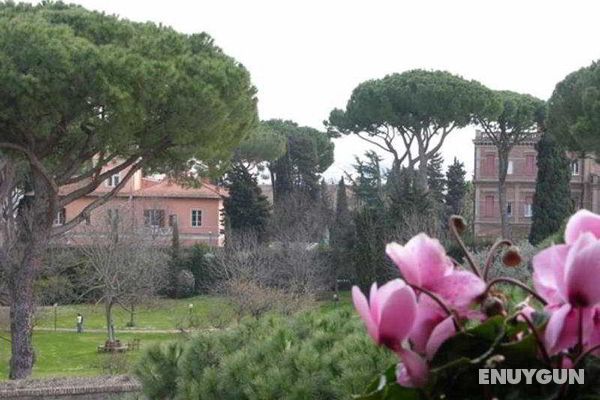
[
  {"x": 520, "y": 186},
  {"x": 154, "y": 203}
]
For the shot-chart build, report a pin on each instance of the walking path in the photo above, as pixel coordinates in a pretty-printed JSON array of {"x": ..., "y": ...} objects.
[{"x": 128, "y": 330}]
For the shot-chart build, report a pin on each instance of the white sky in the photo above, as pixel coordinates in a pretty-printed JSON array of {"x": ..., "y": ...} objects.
[{"x": 307, "y": 56}]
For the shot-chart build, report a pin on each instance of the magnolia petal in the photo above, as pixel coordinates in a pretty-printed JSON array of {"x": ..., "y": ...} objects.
[
  {"x": 398, "y": 313},
  {"x": 374, "y": 303},
  {"x": 581, "y": 222},
  {"x": 362, "y": 307},
  {"x": 405, "y": 261},
  {"x": 413, "y": 370},
  {"x": 433, "y": 263},
  {"x": 460, "y": 289},
  {"x": 548, "y": 273},
  {"x": 561, "y": 331},
  {"x": 429, "y": 315},
  {"x": 442, "y": 332},
  {"x": 582, "y": 274}
]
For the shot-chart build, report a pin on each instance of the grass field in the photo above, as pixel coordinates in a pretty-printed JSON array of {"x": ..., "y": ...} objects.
[
  {"x": 164, "y": 314},
  {"x": 66, "y": 353},
  {"x": 70, "y": 354}
]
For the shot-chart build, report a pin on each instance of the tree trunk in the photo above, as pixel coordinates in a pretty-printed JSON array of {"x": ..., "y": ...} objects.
[
  {"x": 21, "y": 318},
  {"x": 109, "y": 320},
  {"x": 132, "y": 316},
  {"x": 422, "y": 170},
  {"x": 502, "y": 171},
  {"x": 35, "y": 218}
]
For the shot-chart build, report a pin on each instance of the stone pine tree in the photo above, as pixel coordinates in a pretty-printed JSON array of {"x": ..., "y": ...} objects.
[
  {"x": 409, "y": 115},
  {"x": 457, "y": 188},
  {"x": 552, "y": 200},
  {"x": 574, "y": 111},
  {"x": 297, "y": 173},
  {"x": 247, "y": 209},
  {"x": 85, "y": 96},
  {"x": 507, "y": 120}
]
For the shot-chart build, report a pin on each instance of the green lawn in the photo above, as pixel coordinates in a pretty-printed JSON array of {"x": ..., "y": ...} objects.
[
  {"x": 164, "y": 314},
  {"x": 70, "y": 354}
]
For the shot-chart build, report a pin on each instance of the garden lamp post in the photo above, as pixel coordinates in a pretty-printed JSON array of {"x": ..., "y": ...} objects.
[{"x": 55, "y": 306}]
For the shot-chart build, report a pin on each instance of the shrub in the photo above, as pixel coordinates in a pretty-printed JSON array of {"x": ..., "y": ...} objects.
[
  {"x": 313, "y": 355},
  {"x": 157, "y": 370},
  {"x": 185, "y": 283},
  {"x": 54, "y": 289},
  {"x": 198, "y": 261}
]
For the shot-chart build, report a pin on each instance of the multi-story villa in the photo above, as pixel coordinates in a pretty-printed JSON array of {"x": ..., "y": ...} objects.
[
  {"x": 520, "y": 186},
  {"x": 154, "y": 203}
]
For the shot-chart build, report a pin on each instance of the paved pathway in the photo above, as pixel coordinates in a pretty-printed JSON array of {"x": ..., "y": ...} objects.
[{"x": 128, "y": 330}]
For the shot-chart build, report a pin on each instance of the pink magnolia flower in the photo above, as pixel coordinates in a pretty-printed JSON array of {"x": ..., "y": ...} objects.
[
  {"x": 432, "y": 327},
  {"x": 389, "y": 316},
  {"x": 568, "y": 277},
  {"x": 423, "y": 262}
]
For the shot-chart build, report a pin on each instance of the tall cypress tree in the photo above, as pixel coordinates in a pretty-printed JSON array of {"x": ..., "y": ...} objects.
[
  {"x": 435, "y": 178},
  {"x": 342, "y": 235},
  {"x": 552, "y": 200},
  {"x": 247, "y": 210},
  {"x": 457, "y": 188}
]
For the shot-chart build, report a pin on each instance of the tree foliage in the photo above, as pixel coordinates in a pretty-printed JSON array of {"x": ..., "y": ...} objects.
[
  {"x": 552, "y": 200},
  {"x": 574, "y": 110},
  {"x": 418, "y": 108},
  {"x": 507, "y": 120},
  {"x": 247, "y": 209},
  {"x": 457, "y": 188},
  {"x": 80, "y": 89},
  {"x": 309, "y": 153},
  {"x": 436, "y": 179}
]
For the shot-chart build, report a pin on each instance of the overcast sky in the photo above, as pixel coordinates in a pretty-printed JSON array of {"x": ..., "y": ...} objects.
[{"x": 307, "y": 56}]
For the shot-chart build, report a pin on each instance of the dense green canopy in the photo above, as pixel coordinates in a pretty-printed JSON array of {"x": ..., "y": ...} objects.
[
  {"x": 309, "y": 152},
  {"x": 574, "y": 110},
  {"x": 79, "y": 89},
  {"x": 75, "y": 82},
  {"x": 413, "y": 110}
]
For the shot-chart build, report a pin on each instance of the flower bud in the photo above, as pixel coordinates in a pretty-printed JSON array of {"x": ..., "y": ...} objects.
[
  {"x": 459, "y": 223},
  {"x": 493, "y": 306},
  {"x": 512, "y": 257}
]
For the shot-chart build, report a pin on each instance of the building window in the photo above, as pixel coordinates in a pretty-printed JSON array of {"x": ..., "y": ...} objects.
[
  {"x": 154, "y": 218},
  {"x": 61, "y": 217},
  {"x": 575, "y": 167},
  {"x": 196, "y": 218},
  {"x": 509, "y": 169},
  {"x": 490, "y": 164},
  {"x": 488, "y": 210},
  {"x": 528, "y": 207},
  {"x": 172, "y": 219},
  {"x": 113, "y": 180},
  {"x": 509, "y": 209},
  {"x": 529, "y": 164}
]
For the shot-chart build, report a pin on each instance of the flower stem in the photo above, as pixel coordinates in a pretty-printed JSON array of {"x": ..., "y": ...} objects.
[
  {"x": 582, "y": 356},
  {"x": 536, "y": 335},
  {"x": 492, "y": 255},
  {"x": 461, "y": 244},
  {"x": 516, "y": 283}
]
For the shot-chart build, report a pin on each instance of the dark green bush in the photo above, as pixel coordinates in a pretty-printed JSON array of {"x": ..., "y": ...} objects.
[
  {"x": 157, "y": 370},
  {"x": 54, "y": 289},
  {"x": 314, "y": 355}
]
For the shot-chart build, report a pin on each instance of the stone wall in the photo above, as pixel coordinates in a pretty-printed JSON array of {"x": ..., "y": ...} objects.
[{"x": 96, "y": 388}]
